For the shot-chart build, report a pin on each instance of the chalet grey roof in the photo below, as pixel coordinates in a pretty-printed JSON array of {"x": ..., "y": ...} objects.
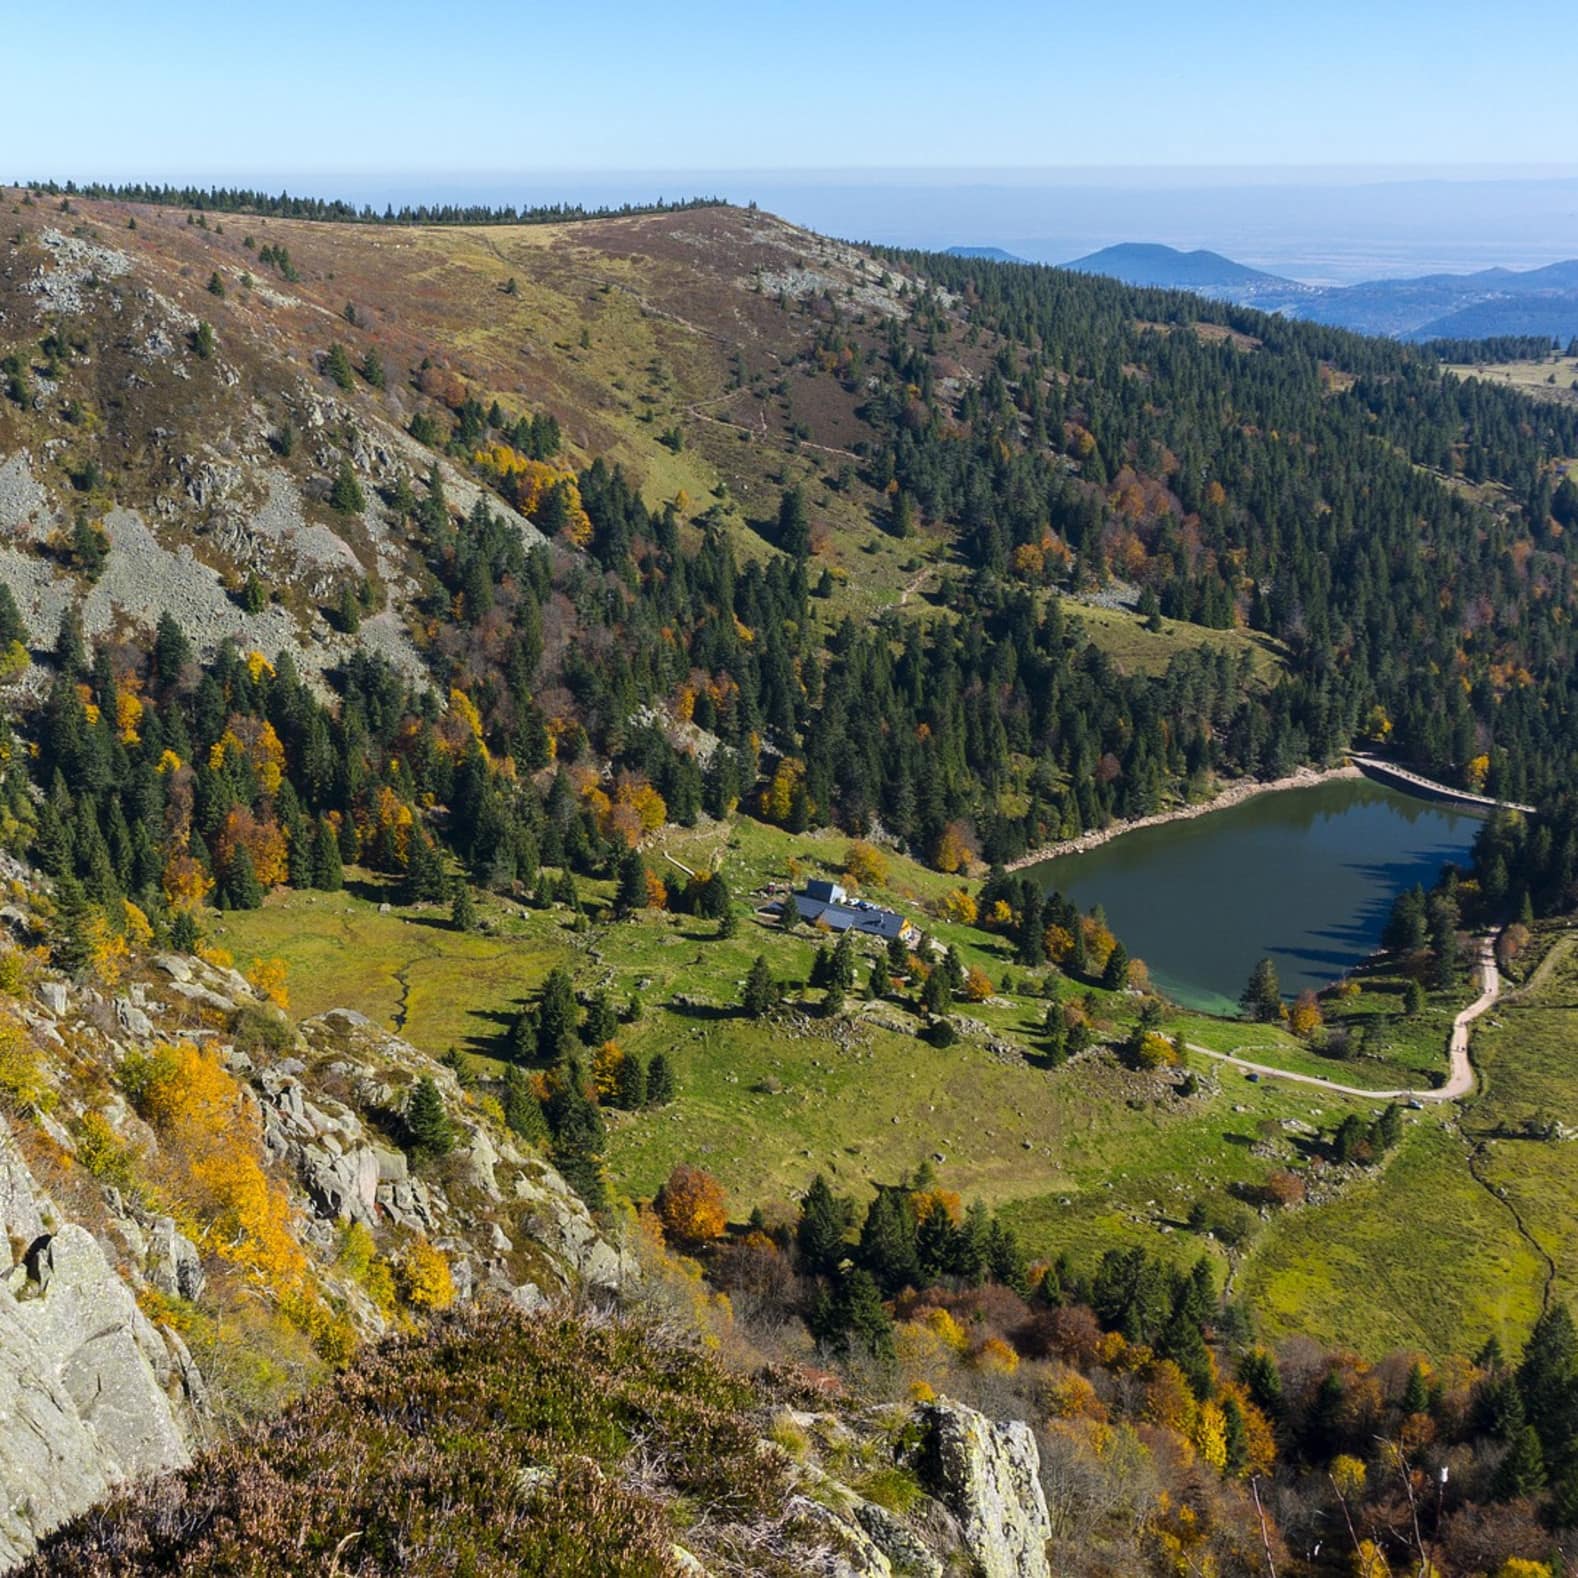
[{"x": 827, "y": 904}]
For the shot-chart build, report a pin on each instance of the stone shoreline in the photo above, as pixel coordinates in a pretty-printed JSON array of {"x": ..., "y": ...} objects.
[{"x": 1234, "y": 794}]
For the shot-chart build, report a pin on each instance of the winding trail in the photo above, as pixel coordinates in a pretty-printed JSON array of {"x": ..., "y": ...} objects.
[{"x": 1460, "y": 1079}]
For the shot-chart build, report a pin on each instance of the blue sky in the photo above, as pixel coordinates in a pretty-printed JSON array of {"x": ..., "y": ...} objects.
[{"x": 176, "y": 89}]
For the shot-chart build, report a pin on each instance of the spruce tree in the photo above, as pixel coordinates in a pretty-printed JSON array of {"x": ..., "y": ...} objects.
[
  {"x": 631, "y": 893},
  {"x": 328, "y": 872},
  {"x": 1235, "y": 1439},
  {"x": 578, "y": 1136},
  {"x": 662, "y": 1087},
  {"x": 601, "y": 1022},
  {"x": 184, "y": 935},
  {"x": 841, "y": 972},
  {"x": 463, "y": 908},
  {"x": 760, "y": 989},
  {"x": 887, "y": 1240},
  {"x": 1115, "y": 977},
  {"x": 1261, "y": 998},
  {"x": 631, "y": 1088},
  {"x": 819, "y": 1234},
  {"x": 522, "y": 1110},
  {"x": 425, "y": 879},
  {"x": 338, "y": 366},
  {"x": 426, "y": 1120},
  {"x": 861, "y": 1317},
  {"x": 1522, "y": 1471},
  {"x": 794, "y": 525},
  {"x": 557, "y": 1016},
  {"x": 240, "y": 889},
  {"x": 72, "y": 943},
  {"x": 936, "y": 999},
  {"x": 346, "y": 496},
  {"x": 1548, "y": 1380},
  {"x": 11, "y": 627}
]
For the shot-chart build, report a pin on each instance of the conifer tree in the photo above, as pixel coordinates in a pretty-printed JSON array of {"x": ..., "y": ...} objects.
[
  {"x": 1261, "y": 998},
  {"x": 337, "y": 365},
  {"x": 936, "y": 998},
  {"x": 794, "y": 525},
  {"x": 887, "y": 1240},
  {"x": 463, "y": 908},
  {"x": 578, "y": 1136},
  {"x": 328, "y": 872},
  {"x": 631, "y": 1085},
  {"x": 184, "y": 935},
  {"x": 841, "y": 972},
  {"x": 426, "y": 1120},
  {"x": 11, "y": 627},
  {"x": 1115, "y": 977},
  {"x": 425, "y": 879},
  {"x": 1522, "y": 1471},
  {"x": 522, "y": 1110},
  {"x": 556, "y": 1017},
  {"x": 631, "y": 893},
  {"x": 819, "y": 1233},
  {"x": 72, "y": 942},
  {"x": 761, "y": 990},
  {"x": 662, "y": 1087},
  {"x": 346, "y": 496},
  {"x": 240, "y": 888}
]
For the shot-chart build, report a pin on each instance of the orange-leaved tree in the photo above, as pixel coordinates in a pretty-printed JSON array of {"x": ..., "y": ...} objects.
[{"x": 691, "y": 1205}]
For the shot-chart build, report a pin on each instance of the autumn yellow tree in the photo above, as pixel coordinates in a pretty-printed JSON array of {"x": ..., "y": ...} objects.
[
  {"x": 865, "y": 863},
  {"x": 1305, "y": 1017},
  {"x": 691, "y": 1205},
  {"x": 956, "y": 848},
  {"x": 977, "y": 985}
]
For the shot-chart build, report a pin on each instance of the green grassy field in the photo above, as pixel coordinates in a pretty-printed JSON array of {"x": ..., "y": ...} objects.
[
  {"x": 1551, "y": 379},
  {"x": 1459, "y": 1237},
  {"x": 1416, "y": 1252},
  {"x": 1122, "y": 635}
]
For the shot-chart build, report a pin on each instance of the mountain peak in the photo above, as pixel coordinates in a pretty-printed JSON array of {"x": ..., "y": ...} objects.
[{"x": 1152, "y": 263}]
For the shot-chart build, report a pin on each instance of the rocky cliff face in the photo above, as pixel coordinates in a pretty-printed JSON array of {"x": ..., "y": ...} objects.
[
  {"x": 981, "y": 1508},
  {"x": 91, "y": 1393}
]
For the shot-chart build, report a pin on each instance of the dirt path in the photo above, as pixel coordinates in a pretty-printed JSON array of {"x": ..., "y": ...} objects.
[{"x": 1460, "y": 1079}]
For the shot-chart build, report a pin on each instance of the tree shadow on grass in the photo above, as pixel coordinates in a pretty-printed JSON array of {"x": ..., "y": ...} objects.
[{"x": 705, "y": 1011}]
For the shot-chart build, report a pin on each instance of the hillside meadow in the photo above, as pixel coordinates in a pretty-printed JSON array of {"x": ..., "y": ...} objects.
[{"x": 1080, "y": 1158}]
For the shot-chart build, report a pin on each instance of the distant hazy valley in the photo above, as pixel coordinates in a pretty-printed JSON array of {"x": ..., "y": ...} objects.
[{"x": 1488, "y": 302}]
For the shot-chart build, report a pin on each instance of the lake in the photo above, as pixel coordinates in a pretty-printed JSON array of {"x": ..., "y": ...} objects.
[{"x": 1304, "y": 876}]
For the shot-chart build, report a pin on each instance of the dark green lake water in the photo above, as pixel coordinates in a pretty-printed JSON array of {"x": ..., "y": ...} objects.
[{"x": 1306, "y": 876}]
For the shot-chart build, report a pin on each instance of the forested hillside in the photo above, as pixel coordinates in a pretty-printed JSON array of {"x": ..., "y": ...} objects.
[{"x": 1026, "y": 436}]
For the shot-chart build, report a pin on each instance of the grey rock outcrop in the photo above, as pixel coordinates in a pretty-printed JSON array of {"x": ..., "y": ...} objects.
[
  {"x": 90, "y": 1393},
  {"x": 988, "y": 1474}
]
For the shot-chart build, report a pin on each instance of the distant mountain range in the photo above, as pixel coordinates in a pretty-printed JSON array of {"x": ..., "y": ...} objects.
[
  {"x": 991, "y": 254},
  {"x": 1494, "y": 301}
]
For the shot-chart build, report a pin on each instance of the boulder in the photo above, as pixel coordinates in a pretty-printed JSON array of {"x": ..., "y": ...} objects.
[
  {"x": 79, "y": 1390},
  {"x": 853, "y": 1553},
  {"x": 988, "y": 1474},
  {"x": 174, "y": 1265},
  {"x": 132, "y": 1019},
  {"x": 55, "y": 997},
  {"x": 343, "y": 1185}
]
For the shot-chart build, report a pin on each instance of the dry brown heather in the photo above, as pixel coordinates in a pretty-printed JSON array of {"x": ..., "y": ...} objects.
[{"x": 498, "y": 1444}]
